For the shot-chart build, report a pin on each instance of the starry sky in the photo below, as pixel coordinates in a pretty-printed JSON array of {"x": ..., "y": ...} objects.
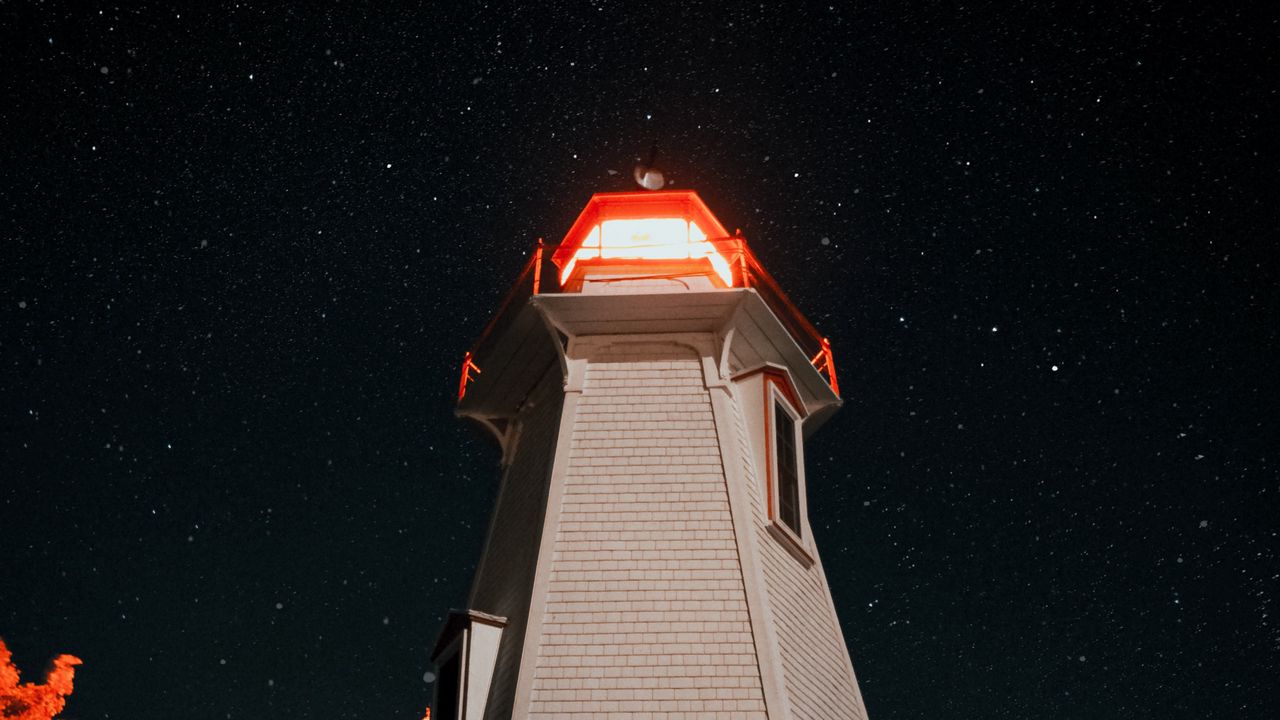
[{"x": 245, "y": 247}]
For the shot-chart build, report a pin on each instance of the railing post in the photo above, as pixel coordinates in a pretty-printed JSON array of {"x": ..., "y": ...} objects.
[
  {"x": 742, "y": 258},
  {"x": 537, "y": 267},
  {"x": 467, "y": 367},
  {"x": 831, "y": 365}
]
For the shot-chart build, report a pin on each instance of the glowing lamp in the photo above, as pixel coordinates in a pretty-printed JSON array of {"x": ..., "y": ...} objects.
[{"x": 645, "y": 235}]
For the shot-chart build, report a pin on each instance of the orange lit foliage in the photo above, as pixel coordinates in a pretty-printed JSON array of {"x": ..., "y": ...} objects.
[{"x": 29, "y": 701}]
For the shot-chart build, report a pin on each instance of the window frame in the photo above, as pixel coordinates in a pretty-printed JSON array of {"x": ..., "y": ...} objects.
[
  {"x": 472, "y": 639},
  {"x": 787, "y": 479},
  {"x": 779, "y": 394}
]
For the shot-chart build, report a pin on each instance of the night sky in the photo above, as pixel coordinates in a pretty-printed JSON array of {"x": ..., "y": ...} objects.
[{"x": 244, "y": 250}]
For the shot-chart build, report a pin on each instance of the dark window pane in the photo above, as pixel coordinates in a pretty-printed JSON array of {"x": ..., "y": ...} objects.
[
  {"x": 788, "y": 472},
  {"x": 449, "y": 684}
]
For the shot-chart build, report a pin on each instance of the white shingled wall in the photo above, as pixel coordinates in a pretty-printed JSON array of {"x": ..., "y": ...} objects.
[
  {"x": 816, "y": 675},
  {"x": 504, "y": 580},
  {"x": 646, "y": 613}
]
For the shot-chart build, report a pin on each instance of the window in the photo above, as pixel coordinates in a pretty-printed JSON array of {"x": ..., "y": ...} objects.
[
  {"x": 787, "y": 468},
  {"x": 465, "y": 656},
  {"x": 448, "y": 687},
  {"x": 784, "y": 463},
  {"x": 775, "y": 415}
]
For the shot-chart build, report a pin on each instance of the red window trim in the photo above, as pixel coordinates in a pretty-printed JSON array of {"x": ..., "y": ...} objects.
[{"x": 778, "y": 378}]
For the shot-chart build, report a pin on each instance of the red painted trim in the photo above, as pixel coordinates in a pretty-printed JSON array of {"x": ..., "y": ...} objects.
[
  {"x": 780, "y": 378},
  {"x": 768, "y": 446}
]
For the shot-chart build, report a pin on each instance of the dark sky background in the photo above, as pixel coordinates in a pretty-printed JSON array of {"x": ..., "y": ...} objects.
[{"x": 244, "y": 249}]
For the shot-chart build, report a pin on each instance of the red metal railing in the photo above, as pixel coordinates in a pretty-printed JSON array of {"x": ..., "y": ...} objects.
[
  {"x": 748, "y": 273},
  {"x": 527, "y": 284}
]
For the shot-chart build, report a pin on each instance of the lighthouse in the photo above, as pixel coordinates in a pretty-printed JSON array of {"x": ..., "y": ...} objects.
[{"x": 650, "y": 388}]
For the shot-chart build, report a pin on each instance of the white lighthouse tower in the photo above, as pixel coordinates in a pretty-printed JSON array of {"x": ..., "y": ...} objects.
[{"x": 650, "y": 553}]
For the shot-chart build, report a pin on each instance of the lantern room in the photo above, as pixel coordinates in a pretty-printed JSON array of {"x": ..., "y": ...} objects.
[
  {"x": 667, "y": 265},
  {"x": 656, "y": 239}
]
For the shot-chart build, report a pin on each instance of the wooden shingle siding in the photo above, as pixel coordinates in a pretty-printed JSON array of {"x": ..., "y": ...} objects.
[
  {"x": 504, "y": 580},
  {"x": 645, "y": 613},
  {"x": 816, "y": 674}
]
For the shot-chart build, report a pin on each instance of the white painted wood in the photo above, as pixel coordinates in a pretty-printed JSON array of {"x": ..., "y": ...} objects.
[
  {"x": 631, "y": 549},
  {"x": 482, "y": 655}
]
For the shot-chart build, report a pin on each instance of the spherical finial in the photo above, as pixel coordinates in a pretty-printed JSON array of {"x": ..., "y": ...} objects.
[
  {"x": 647, "y": 175},
  {"x": 649, "y": 178}
]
